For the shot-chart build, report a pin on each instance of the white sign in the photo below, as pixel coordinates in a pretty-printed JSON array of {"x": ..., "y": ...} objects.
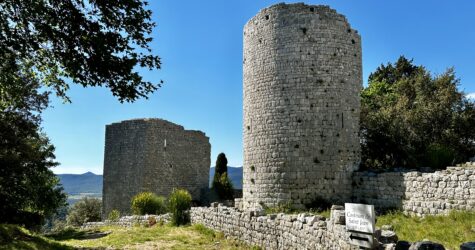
[{"x": 359, "y": 218}]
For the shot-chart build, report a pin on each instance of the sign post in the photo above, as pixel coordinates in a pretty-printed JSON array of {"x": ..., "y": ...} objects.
[{"x": 360, "y": 222}]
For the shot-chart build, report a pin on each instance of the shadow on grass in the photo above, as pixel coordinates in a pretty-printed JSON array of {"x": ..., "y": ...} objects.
[
  {"x": 14, "y": 237},
  {"x": 71, "y": 233}
]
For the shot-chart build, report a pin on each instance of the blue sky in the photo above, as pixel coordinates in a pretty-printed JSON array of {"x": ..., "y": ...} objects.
[{"x": 200, "y": 43}]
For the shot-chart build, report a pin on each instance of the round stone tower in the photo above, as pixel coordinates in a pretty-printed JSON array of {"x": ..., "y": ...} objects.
[{"x": 302, "y": 81}]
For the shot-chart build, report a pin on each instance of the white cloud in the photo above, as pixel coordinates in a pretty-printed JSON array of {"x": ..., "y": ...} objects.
[{"x": 470, "y": 96}]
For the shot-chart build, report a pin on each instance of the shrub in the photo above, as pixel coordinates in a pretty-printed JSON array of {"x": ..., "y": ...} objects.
[
  {"x": 439, "y": 156},
  {"x": 114, "y": 215},
  {"x": 148, "y": 203},
  {"x": 85, "y": 210},
  {"x": 179, "y": 204},
  {"x": 285, "y": 208}
]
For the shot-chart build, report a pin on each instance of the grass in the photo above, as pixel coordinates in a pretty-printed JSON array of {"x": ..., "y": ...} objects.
[
  {"x": 14, "y": 237},
  {"x": 157, "y": 237},
  {"x": 451, "y": 230},
  {"x": 161, "y": 237}
]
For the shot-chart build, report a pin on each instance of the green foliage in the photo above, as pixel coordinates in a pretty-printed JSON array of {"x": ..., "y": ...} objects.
[
  {"x": 91, "y": 43},
  {"x": 179, "y": 204},
  {"x": 203, "y": 230},
  {"x": 408, "y": 117},
  {"x": 439, "y": 156},
  {"x": 114, "y": 215},
  {"x": 285, "y": 208},
  {"x": 221, "y": 182},
  {"x": 85, "y": 210},
  {"x": 318, "y": 205},
  {"x": 224, "y": 187},
  {"x": 148, "y": 203},
  {"x": 434, "y": 228},
  {"x": 57, "y": 221},
  {"x": 221, "y": 164},
  {"x": 29, "y": 190}
]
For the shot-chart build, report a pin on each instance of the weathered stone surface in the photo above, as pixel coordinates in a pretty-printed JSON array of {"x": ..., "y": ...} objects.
[
  {"x": 152, "y": 155},
  {"x": 302, "y": 78},
  {"x": 388, "y": 237},
  {"x": 468, "y": 246},
  {"x": 426, "y": 245},
  {"x": 337, "y": 216},
  {"x": 281, "y": 231},
  {"x": 391, "y": 246},
  {"x": 418, "y": 193},
  {"x": 129, "y": 221}
]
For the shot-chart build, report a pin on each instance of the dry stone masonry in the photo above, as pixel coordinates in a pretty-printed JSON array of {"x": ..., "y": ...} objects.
[
  {"x": 418, "y": 193},
  {"x": 152, "y": 155},
  {"x": 130, "y": 221},
  {"x": 275, "y": 231},
  {"x": 302, "y": 78}
]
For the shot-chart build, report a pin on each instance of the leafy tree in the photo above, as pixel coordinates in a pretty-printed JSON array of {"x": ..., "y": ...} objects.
[
  {"x": 29, "y": 191},
  {"x": 179, "y": 203},
  {"x": 44, "y": 45},
  {"x": 85, "y": 210},
  {"x": 91, "y": 42},
  {"x": 410, "y": 118},
  {"x": 221, "y": 183},
  {"x": 221, "y": 164}
]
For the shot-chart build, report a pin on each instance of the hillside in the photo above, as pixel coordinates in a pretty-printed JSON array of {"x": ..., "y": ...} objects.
[
  {"x": 90, "y": 184},
  {"x": 78, "y": 186},
  {"x": 235, "y": 174},
  {"x": 81, "y": 183}
]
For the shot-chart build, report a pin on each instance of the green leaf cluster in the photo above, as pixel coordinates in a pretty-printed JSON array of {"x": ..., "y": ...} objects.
[
  {"x": 411, "y": 118},
  {"x": 148, "y": 203},
  {"x": 85, "y": 210},
  {"x": 114, "y": 215},
  {"x": 91, "y": 43},
  {"x": 179, "y": 204},
  {"x": 29, "y": 190}
]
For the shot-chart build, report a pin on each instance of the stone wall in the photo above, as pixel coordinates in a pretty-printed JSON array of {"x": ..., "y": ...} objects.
[
  {"x": 152, "y": 155},
  {"x": 418, "y": 193},
  {"x": 130, "y": 221},
  {"x": 276, "y": 231},
  {"x": 301, "y": 107}
]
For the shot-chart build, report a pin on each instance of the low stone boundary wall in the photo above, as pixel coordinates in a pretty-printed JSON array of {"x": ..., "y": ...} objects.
[
  {"x": 128, "y": 221},
  {"x": 275, "y": 231},
  {"x": 418, "y": 193}
]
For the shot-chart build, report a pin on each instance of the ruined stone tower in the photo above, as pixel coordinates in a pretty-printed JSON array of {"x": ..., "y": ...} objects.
[
  {"x": 302, "y": 80},
  {"x": 152, "y": 155}
]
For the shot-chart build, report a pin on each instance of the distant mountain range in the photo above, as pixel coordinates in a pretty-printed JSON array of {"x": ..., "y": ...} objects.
[
  {"x": 81, "y": 183},
  {"x": 90, "y": 184},
  {"x": 234, "y": 173}
]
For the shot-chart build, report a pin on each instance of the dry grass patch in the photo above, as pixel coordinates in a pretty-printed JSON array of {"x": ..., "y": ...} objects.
[
  {"x": 451, "y": 230},
  {"x": 159, "y": 237}
]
